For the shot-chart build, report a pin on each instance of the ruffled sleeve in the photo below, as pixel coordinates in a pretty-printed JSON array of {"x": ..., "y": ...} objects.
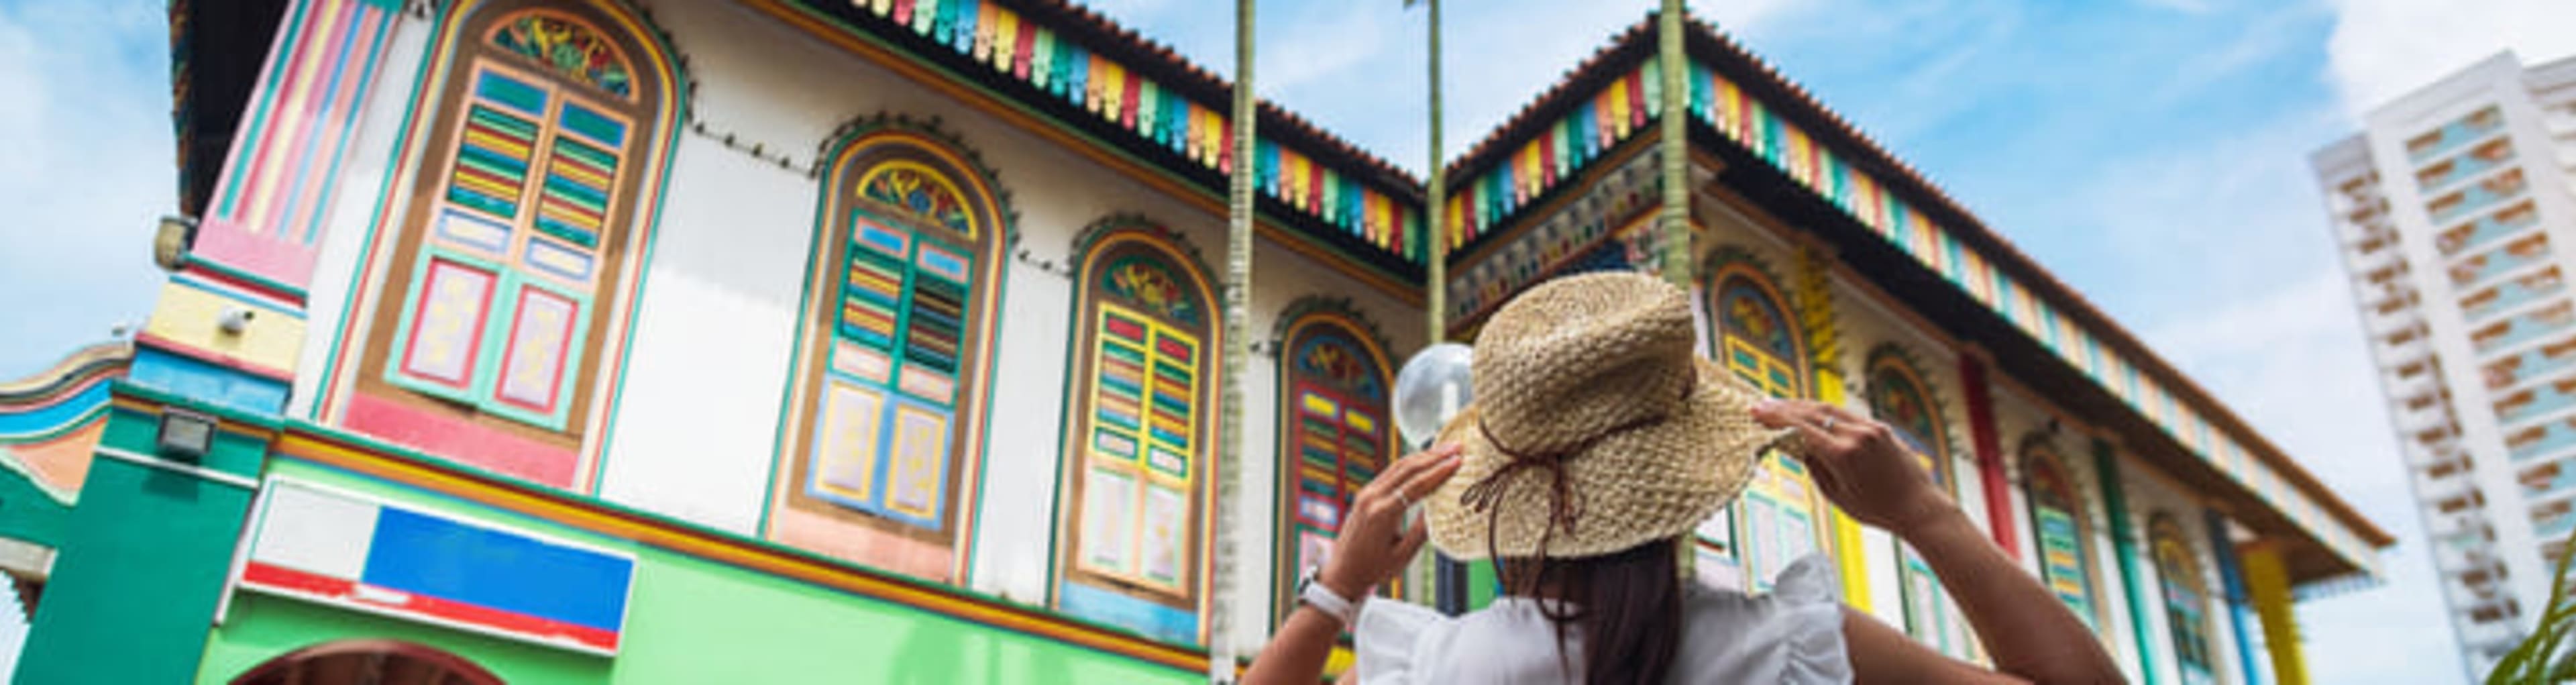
[
  {"x": 1391, "y": 642},
  {"x": 1807, "y": 599}
]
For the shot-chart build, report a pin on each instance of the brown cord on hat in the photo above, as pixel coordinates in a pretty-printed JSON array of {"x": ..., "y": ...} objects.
[{"x": 1564, "y": 505}]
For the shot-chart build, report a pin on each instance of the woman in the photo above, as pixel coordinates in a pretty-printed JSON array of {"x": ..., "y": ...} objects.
[{"x": 1597, "y": 444}]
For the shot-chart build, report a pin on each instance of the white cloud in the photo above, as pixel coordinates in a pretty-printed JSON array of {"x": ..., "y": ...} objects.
[{"x": 2383, "y": 49}]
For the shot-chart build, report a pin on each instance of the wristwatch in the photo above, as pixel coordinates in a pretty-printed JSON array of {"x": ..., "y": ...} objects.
[{"x": 1314, "y": 593}]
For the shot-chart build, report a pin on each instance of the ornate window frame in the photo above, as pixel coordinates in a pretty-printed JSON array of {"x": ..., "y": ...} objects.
[
  {"x": 2048, "y": 483},
  {"x": 1142, "y": 282},
  {"x": 1893, "y": 377},
  {"x": 496, "y": 332},
  {"x": 883, "y": 435},
  {"x": 2186, "y": 598},
  {"x": 1334, "y": 375},
  {"x": 1759, "y": 532}
]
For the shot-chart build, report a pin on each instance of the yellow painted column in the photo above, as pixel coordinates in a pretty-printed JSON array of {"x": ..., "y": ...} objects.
[
  {"x": 2268, "y": 582},
  {"x": 1825, "y": 352}
]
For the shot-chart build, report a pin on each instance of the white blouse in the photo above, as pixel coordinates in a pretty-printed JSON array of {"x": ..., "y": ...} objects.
[{"x": 1791, "y": 635}]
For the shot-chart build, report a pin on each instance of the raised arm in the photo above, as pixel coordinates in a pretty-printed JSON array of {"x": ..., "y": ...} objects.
[
  {"x": 1375, "y": 544},
  {"x": 1859, "y": 464}
]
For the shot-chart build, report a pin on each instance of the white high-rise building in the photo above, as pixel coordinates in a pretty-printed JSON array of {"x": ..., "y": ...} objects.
[{"x": 2457, "y": 219}]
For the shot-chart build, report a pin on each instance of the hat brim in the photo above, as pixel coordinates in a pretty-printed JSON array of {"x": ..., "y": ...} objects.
[{"x": 1633, "y": 487}]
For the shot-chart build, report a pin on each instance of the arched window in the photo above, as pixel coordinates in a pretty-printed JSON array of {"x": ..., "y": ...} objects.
[
  {"x": 1899, "y": 397},
  {"x": 2186, "y": 598},
  {"x": 514, "y": 264},
  {"x": 1140, "y": 436},
  {"x": 885, "y": 427},
  {"x": 1334, "y": 432},
  {"x": 2063, "y": 534},
  {"x": 1778, "y": 518}
]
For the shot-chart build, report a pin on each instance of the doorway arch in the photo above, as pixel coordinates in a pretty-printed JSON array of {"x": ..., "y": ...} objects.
[{"x": 368, "y": 662}]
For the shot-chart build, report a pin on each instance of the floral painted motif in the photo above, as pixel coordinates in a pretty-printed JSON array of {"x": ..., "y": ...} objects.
[
  {"x": 1336, "y": 360},
  {"x": 914, "y": 189},
  {"x": 1897, "y": 401},
  {"x": 1749, "y": 314},
  {"x": 569, "y": 48},
  {"x": 1152, "y": 287}
]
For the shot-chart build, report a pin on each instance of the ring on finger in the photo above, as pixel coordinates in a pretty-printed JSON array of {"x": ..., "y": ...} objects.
[{"x": 1828, "y": 423}]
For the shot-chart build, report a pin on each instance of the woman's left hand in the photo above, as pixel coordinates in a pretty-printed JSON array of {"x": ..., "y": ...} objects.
[{"x": 1375, "y": 543}]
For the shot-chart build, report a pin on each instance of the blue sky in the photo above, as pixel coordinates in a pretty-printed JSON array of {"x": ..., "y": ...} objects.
[{"x": 2151, "y": 152}]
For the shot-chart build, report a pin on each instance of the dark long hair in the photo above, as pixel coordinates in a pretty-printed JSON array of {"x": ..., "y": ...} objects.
[{"x": 1626, "y": 606}]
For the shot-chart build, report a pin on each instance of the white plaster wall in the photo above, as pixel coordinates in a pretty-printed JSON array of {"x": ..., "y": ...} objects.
[
  {"x": 697, "y": 421},
  {"x": 362, "y": 183}
]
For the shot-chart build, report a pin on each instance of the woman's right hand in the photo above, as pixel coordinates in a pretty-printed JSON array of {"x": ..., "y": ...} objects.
[
  {"x": 1376, "y": 541},
  {"x": 1860, "y": 465}
]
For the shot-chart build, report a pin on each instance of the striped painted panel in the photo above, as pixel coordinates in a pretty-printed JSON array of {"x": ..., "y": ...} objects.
[
  {"x": 491, "y": 173},
  {"x": 935, "y": 316},
  {"x": 573, "y": 202},
  {"x": 872, "y": 286}
]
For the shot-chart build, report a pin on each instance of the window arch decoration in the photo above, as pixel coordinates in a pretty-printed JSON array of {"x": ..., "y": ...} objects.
[
  {"x": 497, "y": 329},
  {"x": 2186, "y": 598},
  {"x": 1780, "y": 516},
  {"x": 2063, "y": 533},
  {"x": 1139, "y": 433},
  {"x": 884, "y": 434},
  {"x": 1335, "y": 429},
  {"x": 1899, "y": 396}
]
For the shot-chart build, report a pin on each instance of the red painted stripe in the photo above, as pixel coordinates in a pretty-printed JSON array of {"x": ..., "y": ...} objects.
[
  {"x": 311, "y": 584},
  {"x": 462, "y": 440}
]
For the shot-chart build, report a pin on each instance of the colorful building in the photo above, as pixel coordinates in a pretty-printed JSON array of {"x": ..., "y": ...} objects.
[
  {"x": 792, "y": 340},
  {"x": 2451, "y": 207}
]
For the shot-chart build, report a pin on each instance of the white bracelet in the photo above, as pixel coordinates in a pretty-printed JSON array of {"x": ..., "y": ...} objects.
[{"x": 1312, "y": 592}]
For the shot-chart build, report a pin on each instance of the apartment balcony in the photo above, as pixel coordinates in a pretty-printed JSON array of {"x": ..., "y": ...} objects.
[
  {"x": 2488, "y": 228},
  {"x": 2451, "y": 136},
  {"x": 2484, "y": 158},
  {"x": 2417, "y": 385},
  {"x": 2453, "y": 495}
]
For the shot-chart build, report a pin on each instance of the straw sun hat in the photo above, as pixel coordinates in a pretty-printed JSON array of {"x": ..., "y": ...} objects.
[{"x": 1595, "y": 428}]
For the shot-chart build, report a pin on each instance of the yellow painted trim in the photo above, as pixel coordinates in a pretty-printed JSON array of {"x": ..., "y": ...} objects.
[
  {"x": 1846, "y": 531},
  {"x": 1203, "y": 200},
  {"x": 561, "y": 508},
  {"x": 2268, "y": 580},
  {"x": 193, "y": 317}
]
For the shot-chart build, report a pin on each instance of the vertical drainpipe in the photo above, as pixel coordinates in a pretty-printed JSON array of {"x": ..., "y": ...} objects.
[
  {"x": 2124, "y": 549},
  {"x": 1990, "y": 454},
  {"x": 2232, "y": 577}
]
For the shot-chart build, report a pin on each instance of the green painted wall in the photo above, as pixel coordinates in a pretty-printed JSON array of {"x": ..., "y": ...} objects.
[
  {"x": 28, "y": 513},
  {"x": 143, "y": 560},
  {"x": 689, "y": 621}
]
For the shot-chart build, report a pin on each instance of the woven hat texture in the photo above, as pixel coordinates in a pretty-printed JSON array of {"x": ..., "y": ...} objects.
[{"x": 1597, "y": 372}]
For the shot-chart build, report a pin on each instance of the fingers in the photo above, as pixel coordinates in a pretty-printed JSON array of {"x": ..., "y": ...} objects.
[
  {"x": 1402, "y": 470},
  {"x": 1423, "y": 482}
]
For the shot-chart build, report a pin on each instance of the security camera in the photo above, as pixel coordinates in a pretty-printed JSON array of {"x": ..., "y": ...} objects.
[{"x": 234, "y": 319}]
